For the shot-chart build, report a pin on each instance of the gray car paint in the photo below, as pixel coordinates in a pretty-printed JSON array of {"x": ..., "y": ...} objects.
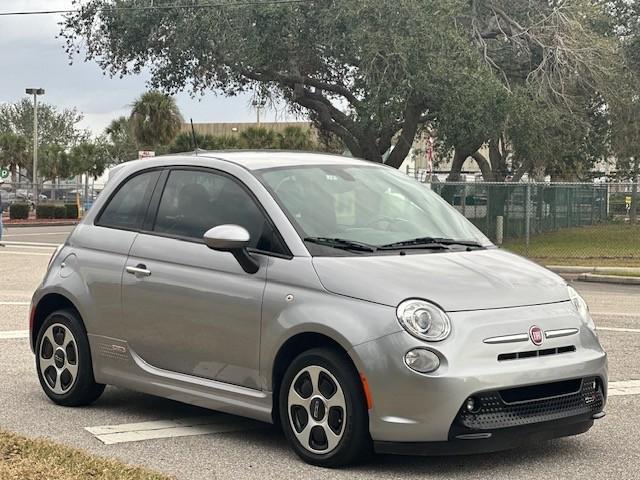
[{"x": 350, "y": 300}]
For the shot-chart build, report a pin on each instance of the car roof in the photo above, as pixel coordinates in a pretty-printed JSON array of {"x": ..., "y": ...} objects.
[{"x": 258, "y": 160}]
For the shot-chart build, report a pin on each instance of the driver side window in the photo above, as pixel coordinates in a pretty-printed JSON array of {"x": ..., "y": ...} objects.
[{"x": 194, "y": 201}]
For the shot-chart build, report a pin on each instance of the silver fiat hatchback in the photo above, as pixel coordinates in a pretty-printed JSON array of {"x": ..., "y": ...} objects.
[{"x": 336, "y": 297}]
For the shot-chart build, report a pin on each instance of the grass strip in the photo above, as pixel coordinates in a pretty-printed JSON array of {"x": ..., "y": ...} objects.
[{"x": 22, "y": 458}]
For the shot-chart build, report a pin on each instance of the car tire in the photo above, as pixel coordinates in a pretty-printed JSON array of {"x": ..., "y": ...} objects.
[
  {"x": 323, "y": 410},
  {"x": 63, "y": 361}
]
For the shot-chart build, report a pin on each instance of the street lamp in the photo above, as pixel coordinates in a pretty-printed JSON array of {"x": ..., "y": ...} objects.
[
  {"x": 35, "y": 92},
  {"x": 258, "y": 105}
]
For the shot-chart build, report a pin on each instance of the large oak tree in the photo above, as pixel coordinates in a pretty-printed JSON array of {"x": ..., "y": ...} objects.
[{"x": 371, "y": 72}]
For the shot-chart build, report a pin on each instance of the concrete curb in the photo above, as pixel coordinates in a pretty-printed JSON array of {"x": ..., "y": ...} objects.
[
  {"x": 598, "y": 270},
  {"x": 619, "y": 280}
]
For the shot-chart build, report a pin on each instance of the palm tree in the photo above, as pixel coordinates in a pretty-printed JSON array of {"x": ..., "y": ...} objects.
[
  {"x": 14, "y": 152},
  {"x": 155, "y": 119},
  {"x": 122, "y": 144}
]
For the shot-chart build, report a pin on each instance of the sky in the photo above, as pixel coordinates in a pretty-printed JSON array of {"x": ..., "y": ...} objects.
[{"x": 31, "y": 56}]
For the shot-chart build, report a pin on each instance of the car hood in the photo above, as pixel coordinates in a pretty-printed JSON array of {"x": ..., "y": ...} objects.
[{"x": 456, "y": 281}]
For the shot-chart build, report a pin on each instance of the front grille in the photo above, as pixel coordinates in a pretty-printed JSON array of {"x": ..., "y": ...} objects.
[
  {"x": 532, "y": 404},
  {"x": 536, "y": 353}
]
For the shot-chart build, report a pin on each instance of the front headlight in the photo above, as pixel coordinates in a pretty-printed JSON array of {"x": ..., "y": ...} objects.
[
  {"x": 424, "y": 320},
  {"x": 581, "y": 307}
]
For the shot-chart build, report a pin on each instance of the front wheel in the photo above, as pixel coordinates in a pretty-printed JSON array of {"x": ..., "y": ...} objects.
[
  {"x": 63, "y": 361},
  {"x": 323, "y": 409}
]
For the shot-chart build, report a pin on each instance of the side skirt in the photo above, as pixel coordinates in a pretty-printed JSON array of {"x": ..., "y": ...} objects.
[{"x": 114, "y": 363}]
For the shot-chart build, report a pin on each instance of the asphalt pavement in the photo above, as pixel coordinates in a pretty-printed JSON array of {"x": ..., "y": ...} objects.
[{"x": 249, "y": 450}]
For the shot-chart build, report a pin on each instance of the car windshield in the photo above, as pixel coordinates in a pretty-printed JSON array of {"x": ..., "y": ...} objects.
[{"x": 354, "y": 207}]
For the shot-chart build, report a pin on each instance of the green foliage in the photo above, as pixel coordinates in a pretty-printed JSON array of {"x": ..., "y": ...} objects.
[
  {"x": 54, "y": 126},
  {"x": 155, "y": 119},
  {"x": 295, "y": 138},
  {"x": 45, "y": 210},
  {"x": 53, "y": 162},
  {"x": 374, "y": 73},
  {"x": 71, "y": 210},
  {"x": 13, "y": 150},
  {"x": 122, "y": 145},
  {"x": 91, "y": 157},
  {"x": 292, "y": 138},
  {"x": 19, "y": 211}
]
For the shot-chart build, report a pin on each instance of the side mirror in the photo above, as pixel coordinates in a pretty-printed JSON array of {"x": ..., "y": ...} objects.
[{"x": 235, "y": 240}]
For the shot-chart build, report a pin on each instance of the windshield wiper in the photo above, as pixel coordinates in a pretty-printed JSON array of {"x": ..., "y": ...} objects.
[
  {"x": 342, "y": 244},
  {"x": 430, "y": 242}
]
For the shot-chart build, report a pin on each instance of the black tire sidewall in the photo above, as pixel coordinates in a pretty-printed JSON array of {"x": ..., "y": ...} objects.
[
  {"x": 84, "y": 390},
  {"x": 355, "y": 442}
]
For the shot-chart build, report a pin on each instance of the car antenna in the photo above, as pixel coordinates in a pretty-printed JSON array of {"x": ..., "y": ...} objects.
[{"x": 193, "y": 137}]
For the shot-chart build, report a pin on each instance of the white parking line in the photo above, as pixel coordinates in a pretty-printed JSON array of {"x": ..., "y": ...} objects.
[
  {"x": 616, "y": 314},
  {"x": 135, "y": 432},
  {"x": 14, "y": 252},
  {"x": 12, "y": 334},
  {"x": 31, "y": 244},
  {"x": 615, "y": 329},
  {"x": 629, "y": 387},
  {"x": 25, "y": 304},
  {"x": 35, "y": 234}
]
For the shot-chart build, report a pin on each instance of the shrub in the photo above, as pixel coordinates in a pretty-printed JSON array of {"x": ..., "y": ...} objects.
[
  {"x": 71, "y": 210},
  {"x": 59, "y": 211},
  {"x": 45, "y": 211},
  {"x": 19, "y": 211}
]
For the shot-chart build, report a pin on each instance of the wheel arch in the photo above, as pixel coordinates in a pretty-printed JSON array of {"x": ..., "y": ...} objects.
[
  {"x": 294, "y": 346},
  {"x": 46, "y": 305}
]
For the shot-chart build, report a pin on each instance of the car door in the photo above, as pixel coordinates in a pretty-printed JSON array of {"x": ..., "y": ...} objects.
[
  {"x": 101, "y": 249},
  {"x": 190, "y": 309}
]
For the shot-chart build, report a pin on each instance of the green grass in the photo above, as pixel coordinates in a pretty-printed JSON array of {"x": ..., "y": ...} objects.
[
  {"x": 26, "y": 459},
  {"x": 600, "y": 245}
]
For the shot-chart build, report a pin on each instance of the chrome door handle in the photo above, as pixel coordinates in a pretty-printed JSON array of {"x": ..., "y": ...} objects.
[{"x": 139, "y": 270}]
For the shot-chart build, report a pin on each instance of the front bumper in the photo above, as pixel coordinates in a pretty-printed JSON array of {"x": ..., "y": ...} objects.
[
  {"x": 412, "y": 408},
  {"x": 503, "y": 439}
]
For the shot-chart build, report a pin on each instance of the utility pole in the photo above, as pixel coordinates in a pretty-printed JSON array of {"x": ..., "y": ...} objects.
[{"x": 35, "y": 92}]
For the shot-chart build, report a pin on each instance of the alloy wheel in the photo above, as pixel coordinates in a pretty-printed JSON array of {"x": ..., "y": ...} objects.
[
  {"x": 317, "y": 409},
  {"x": 58, "y": 358}
]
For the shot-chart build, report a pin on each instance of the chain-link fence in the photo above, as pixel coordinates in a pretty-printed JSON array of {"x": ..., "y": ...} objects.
[
  {"x": 562, "y": 223},
  {"x": 48, "y": 195}
]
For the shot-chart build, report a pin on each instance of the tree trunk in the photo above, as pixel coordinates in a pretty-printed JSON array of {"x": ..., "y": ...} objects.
[
  {"x": 14, "y": 174},
  {"x": 484, "y": 165}
]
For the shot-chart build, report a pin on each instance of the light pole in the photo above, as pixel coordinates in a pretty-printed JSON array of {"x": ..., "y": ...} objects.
[
  {"x": 35, "y": 92},
  {"x": 258, "y": 105}
]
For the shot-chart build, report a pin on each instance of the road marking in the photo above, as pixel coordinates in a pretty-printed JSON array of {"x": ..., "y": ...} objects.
[
  {"x": 614, "y": 314},
  {"x": 629, "y": 387},
  {"x": 135, "y": 432},
  {"x": 31, "y": 244},
  {"x": 13, "y": 252},
  {"x": 35, "y": 234},
  {"x": 615, "y": 329},
  {"x": 12, "y": 334},
  {"x": 25, "y": 304}
]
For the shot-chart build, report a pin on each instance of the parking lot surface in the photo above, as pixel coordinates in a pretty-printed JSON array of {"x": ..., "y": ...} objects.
[{"x": 192, "y": 443}]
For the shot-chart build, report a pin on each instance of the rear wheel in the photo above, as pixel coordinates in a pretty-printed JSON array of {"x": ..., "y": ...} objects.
[
  {"x": 63, "y": 361},
  {"x": 323, "y": 410}
]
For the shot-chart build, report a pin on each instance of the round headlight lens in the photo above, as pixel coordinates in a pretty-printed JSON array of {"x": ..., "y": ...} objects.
[
  {"x": 581, "y": 307},
  {"x": 424, "y": 320}
]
